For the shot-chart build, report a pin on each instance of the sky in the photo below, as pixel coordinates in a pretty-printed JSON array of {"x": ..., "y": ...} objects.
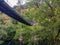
[{"x": 14, "y": 2}]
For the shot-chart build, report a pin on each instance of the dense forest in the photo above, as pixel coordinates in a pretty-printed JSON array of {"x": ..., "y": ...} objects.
[{"x": 46, "y": 31}]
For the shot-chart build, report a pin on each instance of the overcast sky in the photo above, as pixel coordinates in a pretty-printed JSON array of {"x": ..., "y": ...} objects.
[{"x": 14, "y": 2}]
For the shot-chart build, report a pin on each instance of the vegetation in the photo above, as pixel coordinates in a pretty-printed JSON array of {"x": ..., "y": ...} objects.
[{"x": 46, "y": 31}]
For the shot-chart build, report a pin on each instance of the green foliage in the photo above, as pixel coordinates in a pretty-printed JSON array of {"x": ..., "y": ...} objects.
[{"x": 46, "y": 17}]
